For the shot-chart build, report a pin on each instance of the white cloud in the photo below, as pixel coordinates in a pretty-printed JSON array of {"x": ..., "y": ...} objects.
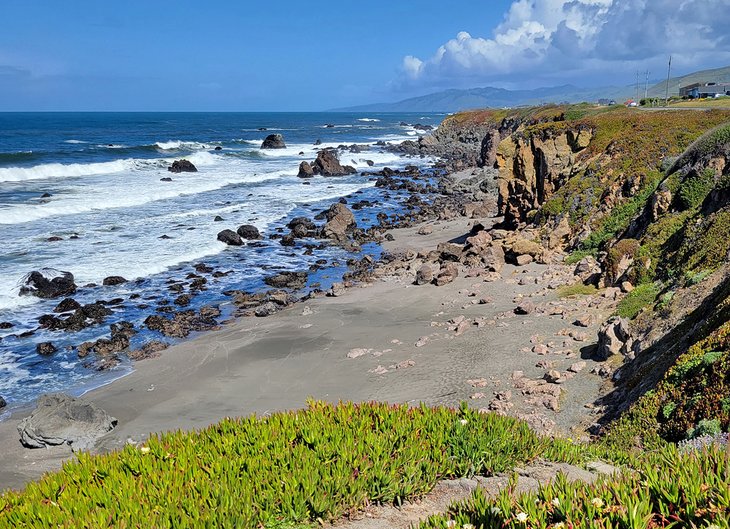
[{"x": 542, "y": 39}]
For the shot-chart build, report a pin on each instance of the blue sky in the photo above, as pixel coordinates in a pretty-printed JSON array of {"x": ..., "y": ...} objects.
[{"x": 313, "y": 55}]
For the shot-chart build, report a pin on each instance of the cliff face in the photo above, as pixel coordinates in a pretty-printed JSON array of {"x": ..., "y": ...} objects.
[
  {"x": 532, "y": 167},
  {"x": 642, "y": 200}
]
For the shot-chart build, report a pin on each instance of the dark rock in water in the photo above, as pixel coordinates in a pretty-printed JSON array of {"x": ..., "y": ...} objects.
[
  {"x": 149, "y": 350},
  {"x": 263, "y": 128},
  {"x": 370, "y": 163},
  {"x": 404, "y": 124},
  {"x": 203, "y": 268},
  {"x": 418, "y": 126},
  {"x": 113, "y": 280},
  {"x": 96, "y": 311},
  {"x": 183, "y": 322},
  {"x": 182, "y": 166},
  {"x": 305, "y": 170},
  {"x": 6, "y": 325},
  {"x": 67, "y": 305},
  {"x": 267, "y": 309},
  {"x": 342, "y": 200},
  {"x": 318, "y": 142},
  {"x": 295, "y": 280},
  {"x": 54, "y": 238},
  {"x": 305, "y": 222},
  {"x": 45, "y": 348},
  {"x": 165, "y": 236},
  {"x": 327, "y": 164},
  {"x": 3, "y": 403},
  {"x": 299, "y": 231},
  {"x": 274, "y": 141},
  {"x": 249, "y": 231},
  {"x": 61, "y": 419},
  {"x": 182, "y": 300},
  {"x": 218, "y": 148},
  {"x": 287, "y": 240},
  {"x": 46, "y": 195},
  {"x": 218, "y": 218},
  {"x": 230, "y": 237},
  {"x": 166, "y": 179},
  {"x": 329, "y": 126},
  {"x": 48, "y": 283}
]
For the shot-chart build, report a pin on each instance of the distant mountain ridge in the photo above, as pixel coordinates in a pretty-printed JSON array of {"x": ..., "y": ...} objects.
[{"x": 454, "y": 100}]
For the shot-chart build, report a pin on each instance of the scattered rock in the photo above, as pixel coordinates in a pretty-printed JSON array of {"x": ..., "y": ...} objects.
[
  {"x": 448, "y": 272},
  {"x": 424, "y": 275},
  {"x": 423, "y": 340},
  {"x": 61, "y": 419},
  {"x": 149, "y": 350},
  {"x": 340, "y": 221},
  {"x": 426, "y": 229},
  {"x": 327, "y": 164},
  {"x": 614, "y": 337},
  {"x": 552, "y": 377},
  {"x": 524, "y": 308},
  {"x": 182, "y": 166},
  {"x": 585, "y": 321},
  {"x": 523, "y": 260},
  {"x": 577, "y": 367},
  {"x": 67, "y": 305},
  {"x": 113, "y": 280}
]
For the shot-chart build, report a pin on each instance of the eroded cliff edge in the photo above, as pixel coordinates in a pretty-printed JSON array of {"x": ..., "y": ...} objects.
[{"x": 640, "y": 203}]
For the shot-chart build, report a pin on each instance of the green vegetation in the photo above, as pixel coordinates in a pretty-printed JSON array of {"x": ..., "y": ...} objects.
[
  {"x": 694, "y": 188},
  {"x": 577, "y": 289},
  {"x": 705, "y": 146},
  {"x": 642, "y": 296},
  {"x": 578, "y": 255},
  {"x": 289, "y": 468},
  {"x": 668, "y": 489},
  {"x": 704, "y": 242}
]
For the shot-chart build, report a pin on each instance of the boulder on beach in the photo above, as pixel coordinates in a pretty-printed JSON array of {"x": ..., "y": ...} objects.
[
  {"x": 274, "y": 141},
  {"x": 182, "y": 166},
  {"x": 248, "y": 231},
  {"x": 48, "y": 283},
  {"x": 230, "y": 237},
  {"x": 327, "y": 164},
  {"x": 113, "y": 281},
  {"x": 60, "y": 419}
]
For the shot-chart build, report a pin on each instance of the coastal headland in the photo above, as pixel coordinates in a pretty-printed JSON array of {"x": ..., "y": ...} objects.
[{"x": 568, "y": 269}]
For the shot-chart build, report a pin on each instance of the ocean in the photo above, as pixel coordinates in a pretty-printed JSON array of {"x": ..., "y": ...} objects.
[{"x": 82, "y": 192}]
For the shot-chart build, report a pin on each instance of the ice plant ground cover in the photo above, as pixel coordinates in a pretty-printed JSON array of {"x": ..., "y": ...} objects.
[{"x": 288, "y": 468}]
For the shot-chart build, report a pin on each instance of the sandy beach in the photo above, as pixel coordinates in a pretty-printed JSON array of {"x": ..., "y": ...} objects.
[{"x": 389, "y": 340}]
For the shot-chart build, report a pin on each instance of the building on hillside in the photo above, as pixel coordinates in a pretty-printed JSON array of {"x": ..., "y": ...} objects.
[
  {"x": 606, "y": 102},
  {"x": 696, "y": 90}
]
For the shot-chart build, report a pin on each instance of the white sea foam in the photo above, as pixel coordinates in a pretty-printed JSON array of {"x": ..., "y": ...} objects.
[
  {"x": 58, "y": 170},
  {"x": 368, "y": 119},
  {"x": 75, "y": 141},
  {"x": 176, "y": 145}
]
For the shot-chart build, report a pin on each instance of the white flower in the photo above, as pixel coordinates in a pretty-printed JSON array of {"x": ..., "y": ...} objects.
[
  {"x": 145, "y": 449},
  {"x": 463, "y": 422},
  {"x": 495, "y": 511},
  {"x": 559, "y": 525},
  {"x": 597, "y": 502},
  {"x": 521, "y": 517},
  {"x": 467, "y": 526},
  {"x": 451, "y": 524},
  {"x": 555, "y": 502}
]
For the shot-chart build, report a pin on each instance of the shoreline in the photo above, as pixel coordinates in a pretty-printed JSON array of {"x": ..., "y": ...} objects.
[{"x": 325, "y": 348}]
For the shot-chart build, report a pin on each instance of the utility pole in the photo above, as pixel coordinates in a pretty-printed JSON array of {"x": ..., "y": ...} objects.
[
  {"x": 637, "y": 87},
  {"x": 646, "y": 85},
  {"x": 669, "y": 71}
]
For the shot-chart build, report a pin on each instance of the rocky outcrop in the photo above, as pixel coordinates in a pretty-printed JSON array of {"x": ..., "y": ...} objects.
[
  {"x": 340, "y": 221},
  {"x": 327, "y": 164},
  {"x": 295, "y": 280},
  {"x": 532, "y": 167},
  {"x": 614, "y": 337},
  {"x": 48, "y": 283},
  {"x": 305, "y": 170},
  {"x": 60, "y": 419},
  {"x": 273, "y": 141},
  {"x": 182, "y": 166},
  {"x": 113, "y": 281}
]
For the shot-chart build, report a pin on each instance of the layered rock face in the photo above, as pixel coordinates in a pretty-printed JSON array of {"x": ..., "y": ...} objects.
[{"x": 532, "y": 168}]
